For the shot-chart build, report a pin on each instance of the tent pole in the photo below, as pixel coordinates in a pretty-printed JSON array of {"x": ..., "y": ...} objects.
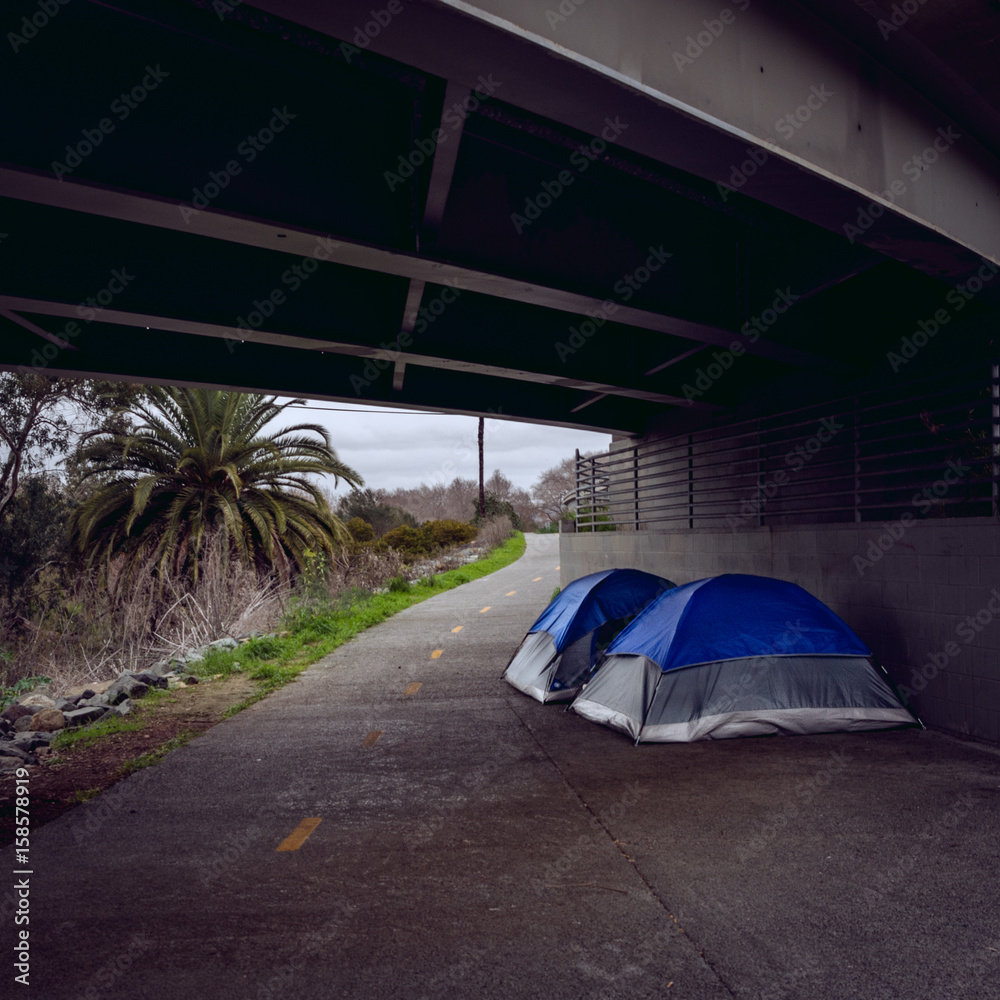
[{"x": 645, "y": 710}]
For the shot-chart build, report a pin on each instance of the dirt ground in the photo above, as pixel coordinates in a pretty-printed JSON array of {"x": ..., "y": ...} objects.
[{"x": 64, "y": 778}]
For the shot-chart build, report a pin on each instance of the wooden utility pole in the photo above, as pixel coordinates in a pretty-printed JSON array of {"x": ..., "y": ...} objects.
[{"x": 482, "y": 488}]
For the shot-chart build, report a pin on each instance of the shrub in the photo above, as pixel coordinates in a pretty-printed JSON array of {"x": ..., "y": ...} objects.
[
  {"x": 448, "y": 532},
  {"x": 399, "y": 585},
  {"x": 360, "y": 529},
  {"x": 409, "y": 542},
  {"x": 495, "y": 532},
  {"x": 495, "y": 507}
]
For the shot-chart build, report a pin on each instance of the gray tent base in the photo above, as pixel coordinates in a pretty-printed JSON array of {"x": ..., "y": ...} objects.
[
  {"x": 546, "y": 675},
  {"x": 756, "y": 696}
]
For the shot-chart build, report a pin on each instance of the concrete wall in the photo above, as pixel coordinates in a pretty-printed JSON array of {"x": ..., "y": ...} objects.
[{"x": 927, "y": 601}]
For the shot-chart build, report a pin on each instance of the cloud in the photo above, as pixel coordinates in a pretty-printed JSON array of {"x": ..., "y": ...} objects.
[{"x": 399, "y": 448}]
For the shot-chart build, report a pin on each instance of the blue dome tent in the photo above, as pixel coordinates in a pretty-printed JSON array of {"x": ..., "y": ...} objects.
[
  {"x": 739, "y": 655},
  {"x": 560, "y": 650}
]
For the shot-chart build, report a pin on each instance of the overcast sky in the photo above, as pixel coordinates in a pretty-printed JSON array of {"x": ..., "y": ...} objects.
[{"x": 403, "y": 448}]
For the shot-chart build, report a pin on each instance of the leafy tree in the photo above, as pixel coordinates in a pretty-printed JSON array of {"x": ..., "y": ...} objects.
[
  {"x": 495, "y": 507},
  {"x": 32, "y": 535},
  {"x": 198, "y": 468},
  {"x": 371, "y": 506},
  {"x": 360, "y": 529},
  {"x": 39, "y": 417}
]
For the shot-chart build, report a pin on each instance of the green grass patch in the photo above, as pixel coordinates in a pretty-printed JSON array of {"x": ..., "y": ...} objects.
[
  {"x": 315, "y": 629},
  {"x": 310, "y": 631},
  {"x": 155, "y": 755},
  {"x": 85, "y": 736}
]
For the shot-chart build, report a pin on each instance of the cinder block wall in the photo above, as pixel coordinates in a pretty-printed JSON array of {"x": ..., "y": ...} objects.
[{"x": 927, "y": 602}]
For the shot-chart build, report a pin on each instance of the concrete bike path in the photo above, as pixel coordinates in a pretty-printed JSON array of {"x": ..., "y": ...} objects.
[{"x": 473, "y": 843}]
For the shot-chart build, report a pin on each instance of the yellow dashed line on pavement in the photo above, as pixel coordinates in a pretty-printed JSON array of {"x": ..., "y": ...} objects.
[
  {"x": 537, "y": 578},
  {"x": 558, "y": 567},
  {"x": 299, "y": 835},
  {"x": 372, "y": 738},
  {"x": 436, "y": 654},
  {"x": 413, "y": 688},
  {"x": 458, "y": 628},
  {"x": 484, "y": 610},
  {"x": 510, "y": 593}
]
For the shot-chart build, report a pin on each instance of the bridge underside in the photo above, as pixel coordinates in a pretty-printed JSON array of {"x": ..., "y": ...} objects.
[{"x": 195, "y": 193}]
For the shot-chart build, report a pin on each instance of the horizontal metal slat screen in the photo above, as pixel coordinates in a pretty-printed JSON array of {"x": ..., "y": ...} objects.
[{"x": 930, "y": 447}]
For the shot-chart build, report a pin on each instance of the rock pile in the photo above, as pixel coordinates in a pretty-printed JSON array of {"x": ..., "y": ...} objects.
[
  {"x": 29, "y": 723},
  {"x": 454, "y": 558}
]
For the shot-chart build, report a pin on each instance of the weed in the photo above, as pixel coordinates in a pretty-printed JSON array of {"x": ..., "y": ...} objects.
[
  {"x": 82, "y": 794},
  {"x": 155, "y": 755},
  {"x": 9, "y": 694}
]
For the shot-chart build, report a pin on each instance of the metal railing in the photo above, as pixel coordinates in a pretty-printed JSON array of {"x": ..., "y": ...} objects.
[{"x": 930, "y": 448}]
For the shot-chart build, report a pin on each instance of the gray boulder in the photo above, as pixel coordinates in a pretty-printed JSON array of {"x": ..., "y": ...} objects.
[
  {"x": 153, "y": 680},
  {"x": 161, "y": 668},
  {"x": 9, "y": 749},
  {"x": 98, "y": 701},
  {"x": 65, "y": 704},
  {"x": 126, "y": 686},
  {"x": 224, "y": 643},
  {"x": 37, "y": 700},
  {"x": 14, "y": 712},
  {"x": 13, "y": 763},
  {"x": 23, "y": 723},
  {"x": 31, "y": 741},
  {"x": 81, "y": 716},
  {"x": 122, "y": 708}
]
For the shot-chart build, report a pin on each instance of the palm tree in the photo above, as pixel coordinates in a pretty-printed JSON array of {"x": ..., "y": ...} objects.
[{"x": 196, "y": 469}]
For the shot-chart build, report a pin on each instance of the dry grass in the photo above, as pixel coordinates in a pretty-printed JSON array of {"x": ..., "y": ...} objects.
[{"x": 495, "y": 532}]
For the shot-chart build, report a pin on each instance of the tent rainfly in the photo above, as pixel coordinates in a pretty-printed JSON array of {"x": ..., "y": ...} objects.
[
  {"x": 739, "y": 655},
  {"x": 560, "y": 650}
]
